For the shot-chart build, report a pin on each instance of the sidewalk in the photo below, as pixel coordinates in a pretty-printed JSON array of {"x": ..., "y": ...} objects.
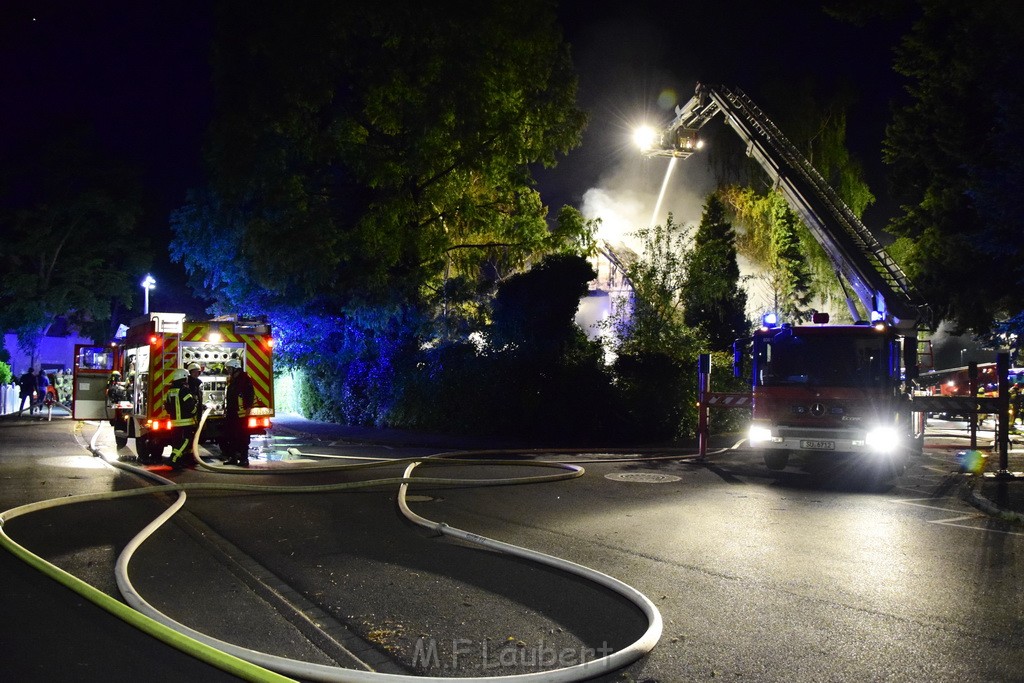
[{"x": 994, "y": 492}]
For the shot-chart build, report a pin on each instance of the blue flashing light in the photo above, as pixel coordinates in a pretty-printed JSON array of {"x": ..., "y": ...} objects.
[
  {"x": 770, "y": 320},
  {"x": 876, "y": 316}
]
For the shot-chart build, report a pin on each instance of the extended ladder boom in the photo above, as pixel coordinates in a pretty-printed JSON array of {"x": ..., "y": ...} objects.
[{"x": 878, "y": 281}]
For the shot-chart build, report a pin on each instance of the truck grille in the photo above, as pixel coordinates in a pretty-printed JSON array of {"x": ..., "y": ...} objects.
[{"x": 804, "y": 432}]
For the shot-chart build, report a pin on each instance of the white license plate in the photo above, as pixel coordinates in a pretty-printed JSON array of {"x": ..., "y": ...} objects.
[{"x": 817, "y": 445}]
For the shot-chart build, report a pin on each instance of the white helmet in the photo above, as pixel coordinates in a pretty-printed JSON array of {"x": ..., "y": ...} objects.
[
  {"x": 179, "y": 373},
  {"x": 233, "y": 363},
  {"x": 193, "y": 366}
]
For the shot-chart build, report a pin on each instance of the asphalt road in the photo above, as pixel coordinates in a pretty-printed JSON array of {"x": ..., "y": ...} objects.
[{"x": 759, "y": 576}]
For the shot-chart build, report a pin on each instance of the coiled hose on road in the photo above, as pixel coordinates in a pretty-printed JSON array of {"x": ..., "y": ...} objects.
[{"x": 259, "y": 666}]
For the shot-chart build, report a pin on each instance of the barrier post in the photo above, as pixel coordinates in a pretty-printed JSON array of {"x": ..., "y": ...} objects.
[
  {"x": 972, "y": 388},
  {"x": 703, "y": 388},
  {"x": 1003, "y": 435}
]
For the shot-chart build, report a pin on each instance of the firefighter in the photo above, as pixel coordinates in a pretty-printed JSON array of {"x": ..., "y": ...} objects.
[
  {"x": 196, "y": 384},
  {"x": 1016, "y": 400},
  {"x": 116, "y": 391},
  {"x": 238, "y": 401},
  {"x": 183, "y": 408}
]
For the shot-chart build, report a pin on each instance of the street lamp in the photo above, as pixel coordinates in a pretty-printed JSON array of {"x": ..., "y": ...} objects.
[{"x": 147, "y": 284}]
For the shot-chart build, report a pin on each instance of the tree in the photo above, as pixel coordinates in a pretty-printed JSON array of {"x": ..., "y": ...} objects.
[
  {"x": 72, "y": 241},
  {"x": 712, "y": 297},
  {"x": 816, "y": 124},
  {"x": 653, "y": 322},
  {"x": 371, "y": 175},
  {"x": 795, "y": 268},
  {"x": 955, "y": 149},
  {"x": 778, "y": 242},
  {"x": 368, "y": 151},
  {"x": 534, "y": 311},
  {"x": 655, "y": 352}
]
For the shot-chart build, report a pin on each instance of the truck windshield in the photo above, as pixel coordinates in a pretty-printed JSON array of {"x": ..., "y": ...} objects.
[{"x": 787, "y": 359}]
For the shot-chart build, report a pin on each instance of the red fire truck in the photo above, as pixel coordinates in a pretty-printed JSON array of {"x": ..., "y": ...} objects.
[
  {"x": 152, "y": 348},
  {"x": 820, "y": 389}
]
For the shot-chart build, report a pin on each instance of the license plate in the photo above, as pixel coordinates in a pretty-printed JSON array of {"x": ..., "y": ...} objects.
[{"x": 818, "y": 445}]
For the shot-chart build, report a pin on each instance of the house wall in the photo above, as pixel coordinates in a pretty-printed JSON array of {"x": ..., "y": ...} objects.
[{"x": 54, "y": 353}]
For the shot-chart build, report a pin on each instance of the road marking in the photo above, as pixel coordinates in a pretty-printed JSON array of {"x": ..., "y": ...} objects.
[
  {"x": 953, "y": 521},
  {"x": 913, "y": 501}
]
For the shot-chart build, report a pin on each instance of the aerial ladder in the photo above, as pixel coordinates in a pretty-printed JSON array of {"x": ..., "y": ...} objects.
[{"x": 880, "y": 285}]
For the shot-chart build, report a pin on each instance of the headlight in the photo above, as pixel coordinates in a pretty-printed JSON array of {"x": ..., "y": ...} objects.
[
  {"x": 759, "y": 434},
  {"x": 882, "y": 439}
]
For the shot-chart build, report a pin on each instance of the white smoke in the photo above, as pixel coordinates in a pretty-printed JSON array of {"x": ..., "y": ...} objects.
[{"x": 626, "y": 197}]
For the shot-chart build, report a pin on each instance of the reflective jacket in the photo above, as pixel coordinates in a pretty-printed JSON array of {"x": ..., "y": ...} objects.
[
  {"x": 182, "y": 406},
  {"x": 239, "y": 396}
]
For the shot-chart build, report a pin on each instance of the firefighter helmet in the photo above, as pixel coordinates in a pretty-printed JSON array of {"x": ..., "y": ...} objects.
[
  {"x": 178, "y": 374},
  {"x": 193, "y": 366},
  {"x": 233, "y": 363},
  {"x": 116, "y": 374}
]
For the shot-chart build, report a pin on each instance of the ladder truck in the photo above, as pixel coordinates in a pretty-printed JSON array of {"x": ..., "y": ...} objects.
[{"x": 820, "y": 390}]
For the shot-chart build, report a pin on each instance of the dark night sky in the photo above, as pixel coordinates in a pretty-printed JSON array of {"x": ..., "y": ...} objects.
[
  {"x": 627, "y": 53},
  {"x": 139, "y": 71}
]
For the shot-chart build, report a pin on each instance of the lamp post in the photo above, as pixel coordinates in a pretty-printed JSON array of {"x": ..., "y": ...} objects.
[{"x": 147, "y": 284}]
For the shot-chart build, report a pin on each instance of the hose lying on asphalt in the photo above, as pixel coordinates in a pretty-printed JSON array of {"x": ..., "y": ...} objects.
[{"x": 254, "y": 665}]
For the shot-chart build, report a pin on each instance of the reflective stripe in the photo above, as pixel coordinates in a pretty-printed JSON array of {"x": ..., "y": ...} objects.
[{"x": 174, "y": 400}]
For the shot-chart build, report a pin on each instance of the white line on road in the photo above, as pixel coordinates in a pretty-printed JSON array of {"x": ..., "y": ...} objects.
[{"x": 953, "y": 521}]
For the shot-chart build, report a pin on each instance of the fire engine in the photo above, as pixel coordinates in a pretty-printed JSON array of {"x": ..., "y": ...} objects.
[
  {"x": 820, "y": 389},
  {"x": 151, "y": 349}
]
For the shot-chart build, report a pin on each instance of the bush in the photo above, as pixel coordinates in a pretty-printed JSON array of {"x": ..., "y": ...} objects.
[{"x": 658, "y": 393}]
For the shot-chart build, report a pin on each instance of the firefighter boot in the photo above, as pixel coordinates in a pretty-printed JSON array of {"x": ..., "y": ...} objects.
[{"x": 179, "y": 458}]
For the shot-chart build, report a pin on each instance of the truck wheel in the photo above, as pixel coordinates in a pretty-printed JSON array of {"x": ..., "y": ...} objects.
[
  {"x": 775, "y": 460},
  {"x": 121, "y": 440}
]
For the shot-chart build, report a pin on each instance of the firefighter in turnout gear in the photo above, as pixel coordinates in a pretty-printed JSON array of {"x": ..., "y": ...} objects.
[
  {"x": 183, "y": 407},
  {"x": 116, "y": 390},
  {"x": 238, "y": 402},
  {"x": 196, "y": 384}
]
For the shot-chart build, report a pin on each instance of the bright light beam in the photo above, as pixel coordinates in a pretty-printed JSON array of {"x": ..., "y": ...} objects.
[
  {"x": 664, "y": 187},
  {"x": 644, "y": 137}
]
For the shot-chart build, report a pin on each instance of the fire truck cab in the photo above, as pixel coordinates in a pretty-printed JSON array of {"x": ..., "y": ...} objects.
[
  {"x": 823, "y": 390},
  {"x": 152, "y": 348}
]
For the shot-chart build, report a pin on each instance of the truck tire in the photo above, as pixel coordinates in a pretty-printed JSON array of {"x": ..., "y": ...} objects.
[
  {"x": 121, "y": 439},
  {"x": 775, "y": 460}
]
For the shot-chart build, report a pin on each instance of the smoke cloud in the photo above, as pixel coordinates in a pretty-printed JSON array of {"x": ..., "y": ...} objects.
[{"x": 625, "y": 198}]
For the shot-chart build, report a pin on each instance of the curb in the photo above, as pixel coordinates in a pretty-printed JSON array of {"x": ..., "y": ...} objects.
[{"x": 985, "y": 505}]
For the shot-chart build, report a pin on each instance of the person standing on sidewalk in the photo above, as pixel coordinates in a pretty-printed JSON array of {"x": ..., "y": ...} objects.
[
  {"x": 238, "y": 401},
  {"x": 42, "y": 388},
  {"x": 27, "y": 387}
]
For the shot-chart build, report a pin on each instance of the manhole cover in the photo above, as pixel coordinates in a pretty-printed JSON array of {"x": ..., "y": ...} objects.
[{"x": 642, "y": 477}]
